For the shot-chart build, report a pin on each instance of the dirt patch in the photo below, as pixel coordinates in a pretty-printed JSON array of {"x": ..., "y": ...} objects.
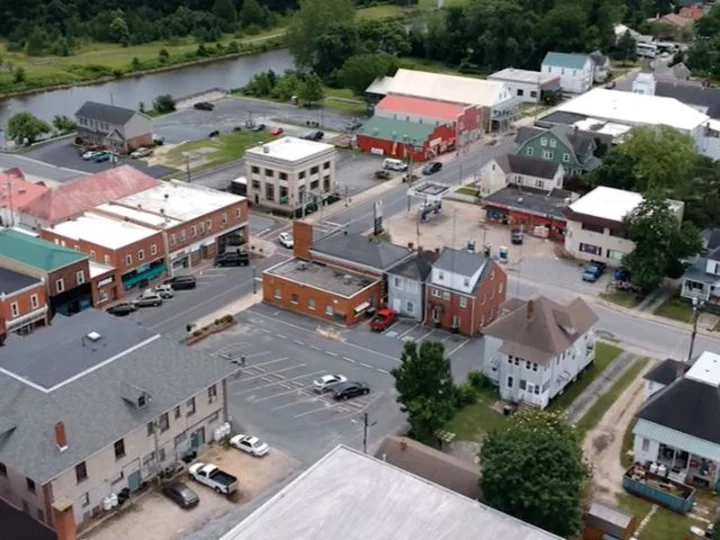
[{"x": 466, "y": 451}]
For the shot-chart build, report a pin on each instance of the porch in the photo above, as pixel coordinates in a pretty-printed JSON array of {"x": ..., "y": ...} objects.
[
  {"x": 686, "y": 467},
  {"x": 698, "y": 283}
]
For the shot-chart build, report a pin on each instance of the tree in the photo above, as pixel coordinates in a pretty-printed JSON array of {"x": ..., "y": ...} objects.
[
  {"x": 164, "y": 103},
  {"x": 252, "y": 14},
  {"x": 233, "y": 47},
  {"x": 225, "y": 11},
  {"x": 63, "y": 124},
  {"x": 26, "y": 127},
  {"x": 333, "y": 47},
  {"x": 311, "y": 21},
  {"x": 534, "y": 470},
  {"x": 311, "y": 91},
  {"x": 135, "y": 65},
  {"x": 163, "y": 55},
  {"x": 660, "y": 241},
  {"x": 664, "y": 156},
  {"x": 617, "y": 171},
  {"x": 626, "y": 49},
  {"x": 19, "y": 75},
  {"x": 425, "y": 387},
  {"x": 119, "y": 30},
  {"x": 359, "y": 71}
]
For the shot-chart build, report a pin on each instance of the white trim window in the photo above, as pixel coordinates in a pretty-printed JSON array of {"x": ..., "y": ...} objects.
[
  {"x": 34, "y": 302},
  {"x": 60, "y": 285},
  {"x": 80, "y": 277},
  {"x": 14, "y": 310}
]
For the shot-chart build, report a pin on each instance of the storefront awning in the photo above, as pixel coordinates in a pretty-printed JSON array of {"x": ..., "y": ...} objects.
[
  {"x": 362, "y": 307},
  {"x": 148, "y": 274},
  {"x": 19, "y": 322}
]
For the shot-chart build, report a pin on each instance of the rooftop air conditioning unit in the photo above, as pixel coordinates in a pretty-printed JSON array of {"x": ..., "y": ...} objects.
[
  {"x": 94, "y": 336},
  {"x": 303, "y": 266}
]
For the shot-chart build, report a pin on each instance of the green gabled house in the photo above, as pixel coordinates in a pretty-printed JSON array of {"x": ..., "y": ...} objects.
[{"x": 567, "y": 146}]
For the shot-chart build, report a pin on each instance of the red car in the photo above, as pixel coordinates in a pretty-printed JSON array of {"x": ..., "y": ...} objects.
[
  {"x": 276, "y": 131},
  {"x": 383, "y": 320}
]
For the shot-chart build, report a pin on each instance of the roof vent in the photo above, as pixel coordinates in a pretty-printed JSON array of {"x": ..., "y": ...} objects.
[
  {"x": 94, "y": 336},
  {"x": 347, "y": 279},
  {"x": 167, "y": 196},
  {"x": 266, "y": 149},
  {"x": 303, "y": 266}
]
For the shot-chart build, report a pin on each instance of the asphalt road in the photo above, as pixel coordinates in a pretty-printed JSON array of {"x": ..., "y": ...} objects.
[{"x": 34, "y": 168}]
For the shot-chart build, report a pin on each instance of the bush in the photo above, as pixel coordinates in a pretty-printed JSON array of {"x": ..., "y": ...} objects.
[
  {"x": 478, "y": 381},
  {"x": 465, "y": 395},
  {"x": 197, "y": 333},
  {"x": 228, "y": 318},
  {"x": 218, "y": 322}
]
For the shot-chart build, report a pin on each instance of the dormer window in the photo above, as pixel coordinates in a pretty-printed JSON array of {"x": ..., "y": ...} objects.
[
  {"x": 141, "y": 401},
  {"x": 466, "y": 282}
]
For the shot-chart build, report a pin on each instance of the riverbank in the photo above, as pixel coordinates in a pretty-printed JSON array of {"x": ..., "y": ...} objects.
[{"x": 99, "y": 63}]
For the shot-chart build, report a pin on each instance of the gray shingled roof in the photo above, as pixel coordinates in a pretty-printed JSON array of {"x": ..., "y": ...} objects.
[
  {"x": 578, "y": 140},
  {"x": 711, "y": 238},
  {"x": 665, "y": 372},
  {"x": 689, "y": 94},
  {"x": 361, "y": 250},
  {"x": 547, "y": 333},
  {"x": 11, "y": 282},
  {"x": 684, "y": 406},
  {"x": 91, "y": 406},
  {"x": 417, "y": 268},
  {"x": 540, "y": 168},
  {"x": 460, "y": 262},
  {"x": 105, "y": 113}
]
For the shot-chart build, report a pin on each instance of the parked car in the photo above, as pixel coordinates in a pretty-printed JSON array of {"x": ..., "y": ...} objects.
[
  {"x": 165, "y": 291},
  {"x": 213, "y": 477},
  {"x": 432, "y": 168},
  {"x": 181, "y": 495},
  {"x": 383, "y": 320},
  {"x": 593, "y": 271},
  {"x": 381, "y": 175},
  {"x": 149, "y": 299},
  {"x": 286, "y": 240},
  {"x": 181, "y": 282},
  {"x": 259, "y": 127},
  {"x": 213, "y": 134},
  {"x": 88, "y": 155},
  {"x": 349, "y": 390},
  {"x": 251, "y": 445},
  {"x": 203, "y": 106},
  {"x": 314, "y": 136},
  {"x": 141, "y": 153},
  {"x": 516, "y": 236},
  {"x": 276, "y": 131},
  {"x": 102, "y": 157},
  {"x": 122, "y": 309},
  {"x": 232, "y": 258},
  {"x": 326, "y": 382},
  {"x": 353, "y": 124}
]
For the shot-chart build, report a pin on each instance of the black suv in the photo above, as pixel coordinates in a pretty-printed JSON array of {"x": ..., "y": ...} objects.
[
  {"x": 348, "y": 390},
  {"x": 204, "y": 106},
  {"x": 181, "y": 282},
  {"x": 232, "y": 258}
]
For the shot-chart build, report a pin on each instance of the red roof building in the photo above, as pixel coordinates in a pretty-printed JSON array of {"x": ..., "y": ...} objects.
[
  {"x": 75, "y": 197},
  {"x": 692, "y": 12},
  {"x": 16, "y": 192}
]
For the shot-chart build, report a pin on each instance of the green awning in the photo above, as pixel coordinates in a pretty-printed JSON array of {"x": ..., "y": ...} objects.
[{"x": 148, "y": 274}]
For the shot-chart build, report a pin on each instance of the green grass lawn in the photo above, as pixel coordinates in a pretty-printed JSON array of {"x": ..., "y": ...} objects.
[
  {"x": 627, "y": 445},
  {"x": 429, "y": 4},
  {"x": 622, "y": 298},
  {"x": 388, "y": 11},
  {"x": 604, "y": 402},
  {"x": 604, "y": 354},
  {"x": 474, "y": 421},
  {"x": 664, "y": 524},
  {"x": 676, "y": 308},
  {"x": 210, "y": 153},
  {"x": 467, "y": 190}
]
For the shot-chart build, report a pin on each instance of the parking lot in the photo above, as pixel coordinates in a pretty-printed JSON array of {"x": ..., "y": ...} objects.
[{"x": 414, "y": 331}]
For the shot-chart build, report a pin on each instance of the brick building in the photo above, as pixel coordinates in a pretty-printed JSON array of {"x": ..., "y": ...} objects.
[
  {"x": 23, "y": 305},
  {"x": 15, "y": 192},
  {"x": 402, "y": 139},
  {"x": 134, "y": 254},
  {"x": 195, "y": 222},
  {"x": 65, "y": 272},
  {"x": 464, "y": 292}
]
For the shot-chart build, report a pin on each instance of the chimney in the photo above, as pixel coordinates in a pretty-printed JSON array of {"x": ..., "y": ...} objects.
[
  {"x": 403, "y": 445},
  {"x": 60, "y": 436},
  {"x": 63, "y": 519},
  {"x": 680, "y": 370},
  {"x": 530, "y": 310},
  {"x": 302, "y": 239}
]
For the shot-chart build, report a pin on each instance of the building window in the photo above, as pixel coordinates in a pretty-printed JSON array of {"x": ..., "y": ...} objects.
[
  {"x": 398, "y": 282},
  {"x": 193, "y": 231},
  {"x": 294, "y": 298},
  {"x": 208, "y": 224},
  {"x": 326, "y": 165},
  {"x": 238, "y": 213},
  {"x": 446, "y": 295},
  {"x": 214, "y": 418},
  {"x": 314, "y": 170},
  {"x": 3, "y": 470},
  {"x": 301, "y": 175},
  {"x": 269, "y": 173},
  {"x": 645, "y": 445},
  {"x": 128, "y": 260},
  {"x": 529, "y": 151},
  {"x": 92, "y": 254},
  {"x": 256, "y": 185},
  {"x": 41, "y": 516},
  {"x": 311, "y": 303},
  {"x": 81, "y": 472},
  {"x": 528, "y": 364},
  {"x": 533, "y": 94},
  {"x": 539, "y": 184},
  {"x": 553, "y": 143},
  {"x": 589, "y": 248},
  {"x": 141, "y": 255},
  {"x": 269, "y": 192},
  {"x": 30, "y": 485},
  {"x": 255, "y": 169},
  {"x": 182, "y": 235},
  {"x": 85, "y": 500},
  {"x": 329, "y": 311},
  {"x": 593, "y": 228},
  {"x": 80, "y": 277},
  {"x": 164, "y": 422},
  {"x": 60, "y": 285},
  {"x": 212, "y": 393},
  {"x": 153, "y": 250},
  {"x": 283, "y": 176},
  {"x": 191, "y": 406},
  {"x": 522, "y": 384},
  {"x": 14, "y": 310},
  {"x": 510, "y": 382},
  {"x": 463, "y": 302},
  {"x": 180, "y": 439},
  {"x": 150, "y": 428},
  {"x": 543, "y": 141},
  {"x": 278, "y": 293},
  {"x": 326, "y": 183},
  {"x": 616, "y": 255},
  {"x": 107, "y": 258},
  {"x": 223, "y": 219},
  {"x": 548, "y": 154},
  {"x": 315, "y": 184},
  {"x": 436, "y": 293},
  {"x": 119, "y": 449},
  {"x": 566, "y": 158},
  {"x": 177, "y": 412},
  {"x": 520, "y": 92},
  {"x": 534, "y": 366},
  {"x": 410, "y": 307}
]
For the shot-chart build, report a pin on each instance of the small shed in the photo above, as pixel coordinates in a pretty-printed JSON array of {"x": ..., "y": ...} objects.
[{"x": 603, "y": 522}]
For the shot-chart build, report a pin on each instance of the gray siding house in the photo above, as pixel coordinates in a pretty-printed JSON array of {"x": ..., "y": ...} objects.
[
  {"x": 117, "y": 128},
  {"x": 406, "y": 285}
]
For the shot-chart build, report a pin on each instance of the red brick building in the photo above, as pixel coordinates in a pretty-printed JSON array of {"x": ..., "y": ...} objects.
[
  {"x": 23, "y": 303},
  {"x": 464, "y": 292}
]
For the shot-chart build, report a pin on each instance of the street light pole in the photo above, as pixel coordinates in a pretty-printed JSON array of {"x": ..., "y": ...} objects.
[
  {"x": 366, "y": 427},
  {"x": 697, "y": 305},
  {"x": 254, "y": 278}
]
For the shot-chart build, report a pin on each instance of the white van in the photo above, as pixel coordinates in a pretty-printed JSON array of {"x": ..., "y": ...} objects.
[{"x": 395, "y": 165}]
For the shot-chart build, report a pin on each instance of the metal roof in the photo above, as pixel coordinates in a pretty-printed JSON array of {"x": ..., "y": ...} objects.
[
  {"x": 36, "y": 252},
  {"x": 111, "y": 114},
  {"x": 399, "y": 131},
  {"x": 565, "y": 60},
  {"x": 421, "y": 107},
  {"x": 11, "y": 282}
]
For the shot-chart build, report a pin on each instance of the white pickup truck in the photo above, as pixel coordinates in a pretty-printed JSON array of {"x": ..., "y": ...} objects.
[{"x": 211, "y": 476}]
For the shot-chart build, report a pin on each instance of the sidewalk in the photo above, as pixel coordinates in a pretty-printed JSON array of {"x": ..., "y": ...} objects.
[{"x": 233, "y": 308}]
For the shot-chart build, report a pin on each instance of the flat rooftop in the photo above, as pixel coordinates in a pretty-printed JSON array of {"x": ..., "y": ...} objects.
[
  {"x": 69, "y": 348},
  {"x": 97, "y": 269},
  {"x": 102, "y": 230},
  {"x": 319, "y": 276},
  {"x": 593, "y": 125},
  {"x": 532, "y": 201},
  {"x": 607, "y": 203},
  {"x": 144, "y": 217},
  {"x": 522, "y": 75},
  {"x": 11, "y": 282},
  {"x": 289, "y": 149},
  {"x": 706, "y": 369},
  {"x": 180, "y": 200},
  {"x": 351, "y": 495}
]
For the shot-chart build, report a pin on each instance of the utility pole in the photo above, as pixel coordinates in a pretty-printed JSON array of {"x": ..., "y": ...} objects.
[
  {"x": 697, "y": 305},
  {"x": 366, "y": 427},
  {"x": 254, "y": 270}
]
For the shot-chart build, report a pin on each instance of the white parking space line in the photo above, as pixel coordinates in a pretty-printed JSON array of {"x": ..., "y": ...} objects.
[
  {"x": 332, "y": 353},
  {"x": 393, "y": 325},
  {"x": 349, "y": 359},
  {"x": 272, "y": 372},
  {"x": 298, "y": 342},
  {"x": 299, "y": 391},
  {"x": 248, "y": 390},
  {"x": 332, "y": 223},
  {"x": 421, "y": 338},
  {"x": 268, "y": 362},
  {"x": 255, "y": 355},
  {"x": 446, "y": 339},
  {"x": 281, "y": 336},
  {"x": 383, "y": 371},
  {"x": 313, "y": 347},
  {"x": 325, "y": 408},
  {"x": 265, "y": 330},
  {"x": 456, "y": 349},
  {"x": 408, "y": 331}
]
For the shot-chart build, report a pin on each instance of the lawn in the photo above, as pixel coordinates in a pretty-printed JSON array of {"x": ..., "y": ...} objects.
[
  {"x": 210, "y": 153},
  {"x": 676, "y": 308},
  {"x": 474, "y": 421},
  {"x": 604, "y": 354},
  {"x": 467, "y": 190},
  {"x": 622, "y": 298},
  {"x": 604, "y": 402},
  {"x": 627, "y": 445},
  {"x": 429, "y": 4},
  {"x": 433, "y": 66},
  {"x": 663, "y": 525},
  {"x": 388, "y": 11}
]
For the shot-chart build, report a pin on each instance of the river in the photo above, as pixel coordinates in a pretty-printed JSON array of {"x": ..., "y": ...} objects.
[{"x": 129, "y": 92}]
